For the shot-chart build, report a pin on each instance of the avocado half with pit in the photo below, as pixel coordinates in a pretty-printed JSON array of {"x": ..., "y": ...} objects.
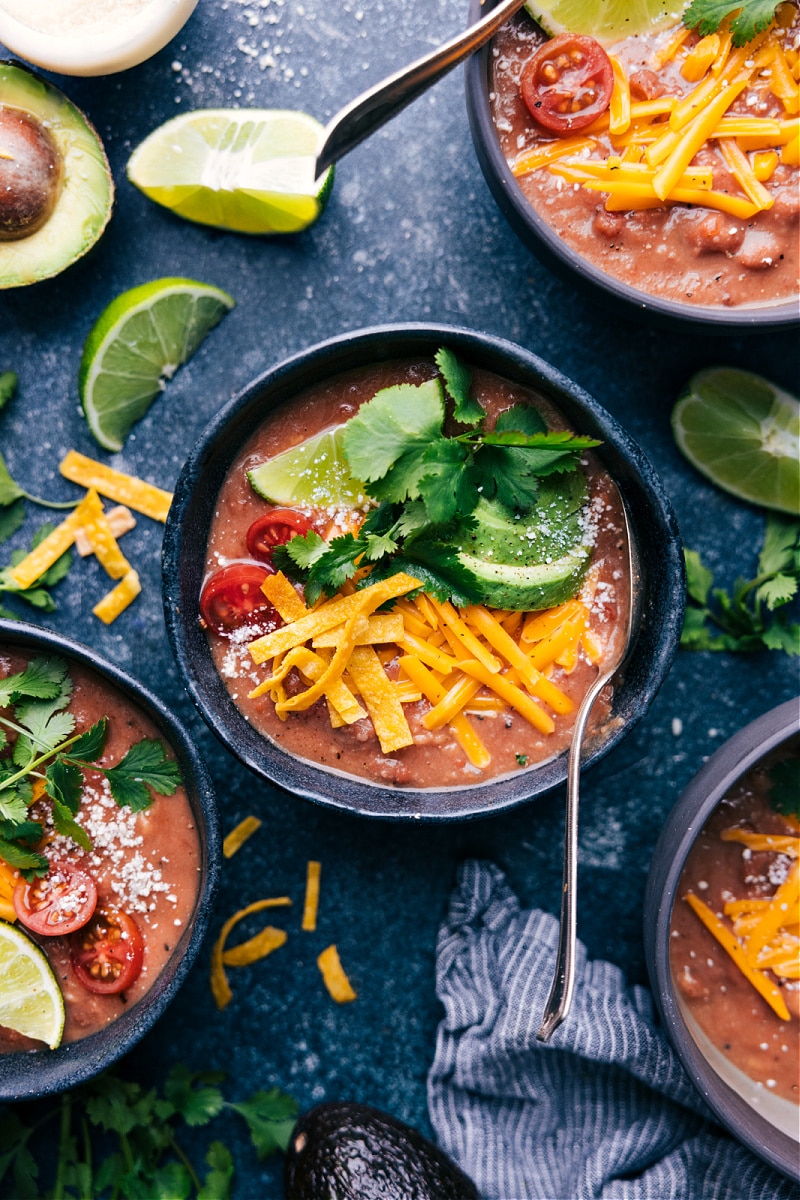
[
  {"x": 534, "y": 560},
  {"x": 56, "y": 190}
]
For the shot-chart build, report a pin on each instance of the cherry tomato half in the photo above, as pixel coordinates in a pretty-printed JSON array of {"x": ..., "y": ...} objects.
[
  {"x": 568, "y": 83},
  {"x": 107, "y": 954},
  {"x": 58, "y": 903},
  {"x": 274, "y": 528},
  {"x": 233, "y": 597}
]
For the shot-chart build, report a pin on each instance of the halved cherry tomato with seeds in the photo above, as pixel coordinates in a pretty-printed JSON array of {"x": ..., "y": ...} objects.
[
  {"x": 107, "y": 954},
  {"x": 232, "y": 597},
  {"x": 568, "y": 83},
  {"x": 57, "y": 903},
  {"x": 274, "y": 528}
]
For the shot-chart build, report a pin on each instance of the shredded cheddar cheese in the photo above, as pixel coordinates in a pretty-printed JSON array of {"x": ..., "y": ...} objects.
[{"x": 219, "y": 981}]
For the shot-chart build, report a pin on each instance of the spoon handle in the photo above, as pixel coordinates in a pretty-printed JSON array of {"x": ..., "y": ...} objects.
[{"x": 373, "y": 108}]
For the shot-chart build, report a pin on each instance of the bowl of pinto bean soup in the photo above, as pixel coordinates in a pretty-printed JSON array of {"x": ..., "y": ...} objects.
[
  {"x": 109, "y": 857},
  {"x": 722, "y": 938},
  {"x": 395, "y": 564},
  {"x": 661, "y": 167}
]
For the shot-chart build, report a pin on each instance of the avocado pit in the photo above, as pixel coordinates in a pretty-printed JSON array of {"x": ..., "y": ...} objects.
[{"x": 31, "y": 174}]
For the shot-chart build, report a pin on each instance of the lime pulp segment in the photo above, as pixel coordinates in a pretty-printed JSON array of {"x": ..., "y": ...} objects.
[
  {"x": 138, "y": 343},
  {"x": 30, "y": 998},
  {"x": 606, "y": 20},
  {"x": 247, "y": 170},
  {"x": 315, "y": 473},
  {"x": 743, "y": 433}
]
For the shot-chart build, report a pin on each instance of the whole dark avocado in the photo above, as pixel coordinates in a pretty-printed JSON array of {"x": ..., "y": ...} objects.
[{"x": 345, "y": 1151}]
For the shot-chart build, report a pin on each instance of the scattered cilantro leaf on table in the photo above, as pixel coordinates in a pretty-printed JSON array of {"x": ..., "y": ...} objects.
[
  {"x": 116, "y": 1138},
  {"x": 428, "y": 482},
  {"x": 8, "y": 386},
  {"x": 746, "y": 619},
  {"x": 751, "y": 17},
  {"x": 38, "y": 594}
]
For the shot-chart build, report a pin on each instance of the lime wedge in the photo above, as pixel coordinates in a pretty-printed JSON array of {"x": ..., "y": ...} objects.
[
  {"x": 315, "y": 474},
  {"x": 606, "y": 20},
  {"x": 136, "y": 344},
  {"x": 30, "y": 999},
  {"x": 250, "y": 170},
  {"x": 744, "y": 434}
]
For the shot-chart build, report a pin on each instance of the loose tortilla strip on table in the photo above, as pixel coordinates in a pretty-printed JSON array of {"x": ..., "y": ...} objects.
[
  {"x": 334, "y": 976},
  {"x": 142, "y": 497},
  {"x": 258, "y": 947},
  {"x": 120, "y": 520},
  {"x": 102, "y": 541},
  {"x": 239, "y": 835},
  {"x": 377, "y": 692},
  {"x": 329, "y": 615},
  {"x": 282, "y": 596},
  {"x": 118, "y": 599},
  {"x": 50, "y": 549},
  {"x": 219, "y": 980},
  {"x": 311, "y": 906}
]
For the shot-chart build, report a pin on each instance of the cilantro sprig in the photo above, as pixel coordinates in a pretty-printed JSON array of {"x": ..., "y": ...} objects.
[
  {"x": 746, "y": 618},
  {"x": 427, "y": 482},
  {"x": 751, "y": 17},
  {"x": 38, "y": 746},
  {"x": 117, "y": 1139}
]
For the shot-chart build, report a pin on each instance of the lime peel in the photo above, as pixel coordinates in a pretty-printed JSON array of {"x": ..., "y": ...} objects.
[
  {"x": 314, "y": 473},
  {"x": 30, "y": 998},
  {"x": 606, "y": 20}
]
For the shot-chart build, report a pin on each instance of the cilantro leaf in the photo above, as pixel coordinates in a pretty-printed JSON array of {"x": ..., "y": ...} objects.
[
  {"x": 509, "y": 479},
  {"x": 777, "y": 591},
  {"x": 784, "y": 780},
  {"x": 438, "y": 568},
  {"x": 270, "y": 1117},
  {"x": 302, "y": 551},
  {"x": 699, "y": 580},
  {"x": 217, "y": 1184},
  {"x": 42, "y": 679},
  {"x": 783, "y": 637},
  {"x": 391, "y": 433},
  {"x": 170, "y": 1182},
  {"x": 66, "y": 825},
  {"x": 90, "y": 745},
  {"x": 64, "y": 783},
  {"x": 457, "y": 381},
  {"x": 523, "y": 418},
  {"x": 145, "y": 765},
  {"x": 448, "y": 485},
  {"x": 17, "y": 856},
  {"x": 13, "y": 805},
  {"x": 196, "y": 1104},
  {"x": 8, "y": 386},
  {"x": 9, "y": 490},
  {"x": 752, "y": 16},
  {"x": 11, "y": 518},
  {"x": 334, "y": 568}
]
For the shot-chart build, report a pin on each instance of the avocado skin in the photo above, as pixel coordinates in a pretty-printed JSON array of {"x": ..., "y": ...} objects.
[{"x": 347, "y": 1151}]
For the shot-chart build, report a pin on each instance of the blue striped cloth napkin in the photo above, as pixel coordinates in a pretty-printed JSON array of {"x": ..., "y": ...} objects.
[{"x": 603, "y": 1111}]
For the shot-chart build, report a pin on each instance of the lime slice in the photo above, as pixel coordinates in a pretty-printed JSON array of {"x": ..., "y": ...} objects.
[
  {"x": 606, "y": 20},
  {"x": 30, "y": 999},
  {"x": 136, "y": 344},
  {"x": 744, "y": 434},
  {"x": 315, "y": 474},
  {"x": 250, "y": 170}
]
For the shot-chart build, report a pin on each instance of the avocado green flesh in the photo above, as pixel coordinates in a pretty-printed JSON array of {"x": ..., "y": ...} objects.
[
  {"x": 83, "y": 206},
  {"x": 534, "y": 560}
]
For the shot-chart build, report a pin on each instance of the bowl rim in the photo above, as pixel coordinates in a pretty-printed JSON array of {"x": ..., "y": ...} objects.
[
  {"x": 211, "y": 458},
  {"x": 29, "y": 1075},
  {"x": 545, "y": 243},
  {"x": 701, "y": 796}
]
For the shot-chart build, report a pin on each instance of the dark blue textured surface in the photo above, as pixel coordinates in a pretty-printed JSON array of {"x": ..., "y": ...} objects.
[{"x": 411, "y": 233}]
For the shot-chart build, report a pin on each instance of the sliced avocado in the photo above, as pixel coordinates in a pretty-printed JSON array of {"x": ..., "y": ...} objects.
[
  {"x": 56, "y": 189},
  {"x": 532, "y": 560},
  {"x": 345, "y": 1151}
]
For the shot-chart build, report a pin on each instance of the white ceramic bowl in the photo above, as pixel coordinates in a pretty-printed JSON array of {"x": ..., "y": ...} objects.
[{"x": 116, "y": 45}]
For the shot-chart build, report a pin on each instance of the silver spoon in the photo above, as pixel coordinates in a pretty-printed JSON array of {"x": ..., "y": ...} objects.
[
  {"x": 373, "y": 108},
  {"x": 560, "y": 998}
]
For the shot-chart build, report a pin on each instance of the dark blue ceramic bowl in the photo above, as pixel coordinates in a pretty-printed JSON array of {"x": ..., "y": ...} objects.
[
  {"x": 757, "y": 1127},
  {"x": 37, "y": 1073},
  {"x": 189, "y": 520},
  {"x": 544, "y": 242}
]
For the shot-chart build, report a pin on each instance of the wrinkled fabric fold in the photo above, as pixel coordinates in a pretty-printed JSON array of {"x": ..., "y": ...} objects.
[{"x": 604, "y": 1111}]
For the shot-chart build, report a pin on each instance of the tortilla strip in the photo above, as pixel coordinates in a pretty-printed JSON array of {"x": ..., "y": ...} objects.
[
  {"x": 50, "y": 549},
  {"x": 334, "y": 976},
  {"x": 311, "y": 905},
  {"x": 219, "y": 980},
  {"x": 385, "y": 627},
  {"x": 256, "y": 948},
  {"x": 239, "y": 835},
  {"x": 120, "y": 520},
  {"x": 378, "y": 693},
  {"x": 101, "y": 539},
  {"x": 118, "y": 599},
  {"x": 282, "y": 596},
  {"x": 125, "y": 489}
]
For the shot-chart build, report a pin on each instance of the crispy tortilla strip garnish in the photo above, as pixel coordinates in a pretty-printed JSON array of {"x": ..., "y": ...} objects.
[
  {"x": 377, "y": 692},
  {"x": 50, "y": 549},
  {"x": 219, "y": 980},
  {"x": 329, "y": 615},
  {"x": 118, "y": 599},
  {"x": 258, "y": 947},
  {"x": 731, "y": 944},
  {"x": 314, "y": 667},
  {"x": 334, "y": 977},
  {"x": 102, "y": 541},
  {"x": 377, "y": 630},
  {"x": 282, "y": 596},
  {"x": 125, "y": 489},
  {"x": 120, "y": 520},
  {"x": 311, "y": 905},
  {"x": 239, "y": 835}
]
